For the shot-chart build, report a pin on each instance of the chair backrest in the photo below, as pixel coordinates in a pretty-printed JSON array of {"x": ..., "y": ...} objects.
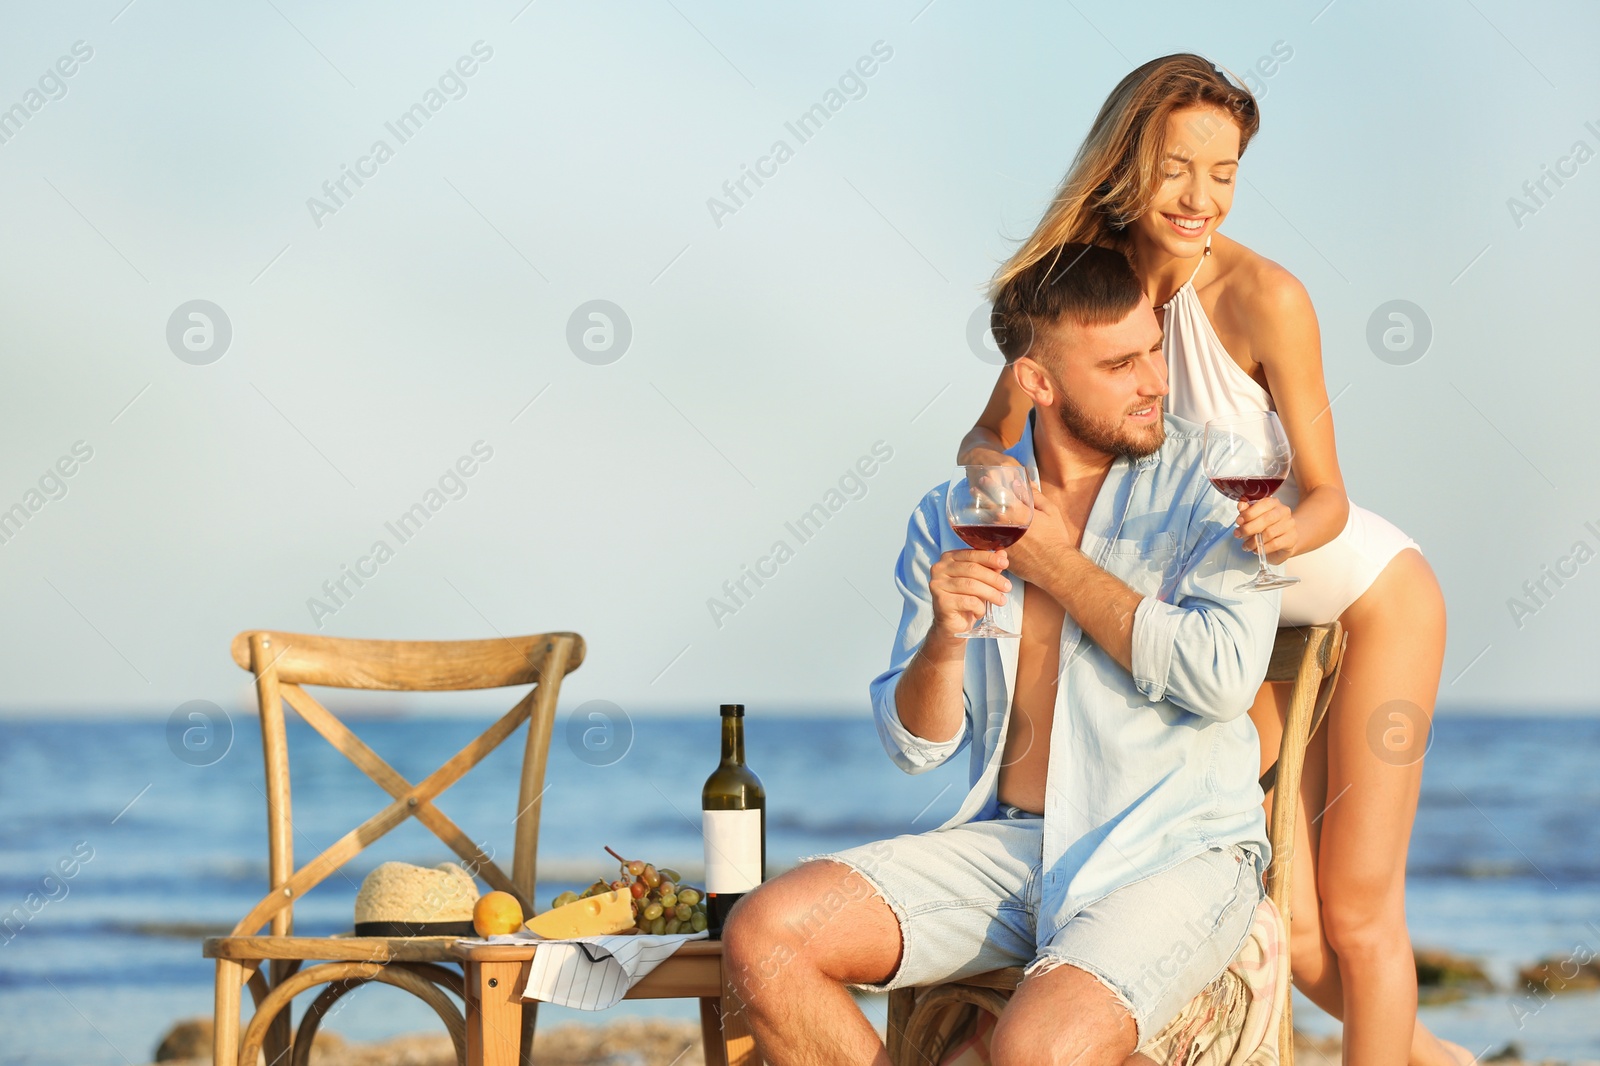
[
  {"x": 284, "y": 662},
  {"x": 1296, "y": 646}
]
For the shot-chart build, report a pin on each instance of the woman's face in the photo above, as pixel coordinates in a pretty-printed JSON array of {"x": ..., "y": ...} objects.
[{"x": 1199, "y": 164}]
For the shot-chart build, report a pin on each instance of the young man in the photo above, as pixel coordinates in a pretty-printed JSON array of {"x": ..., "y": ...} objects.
[{"x": 1113, "y": 838}]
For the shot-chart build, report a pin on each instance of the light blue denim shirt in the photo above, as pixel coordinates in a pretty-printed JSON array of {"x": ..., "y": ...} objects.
[{"x": 1146, "y": 769}]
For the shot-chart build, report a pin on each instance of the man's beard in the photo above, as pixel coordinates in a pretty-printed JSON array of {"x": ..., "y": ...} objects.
[{"x": 1111, "y": 435}]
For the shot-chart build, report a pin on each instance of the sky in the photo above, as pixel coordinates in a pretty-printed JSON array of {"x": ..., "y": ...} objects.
[{"x": 275, "y": 273}]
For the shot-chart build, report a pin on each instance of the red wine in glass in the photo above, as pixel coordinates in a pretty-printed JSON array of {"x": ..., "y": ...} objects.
[
  {"x": 1247, "y": 457},
  {"x": 990, "y": 538},
  {"x": 1246, "y": 489},
  {"x": 989, "y": 508}
]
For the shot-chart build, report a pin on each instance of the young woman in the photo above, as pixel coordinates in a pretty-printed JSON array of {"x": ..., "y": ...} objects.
[{"x": 1155, "y": 179}]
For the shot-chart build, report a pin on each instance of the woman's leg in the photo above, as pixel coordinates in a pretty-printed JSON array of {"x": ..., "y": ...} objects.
[
  {"x": 1378, "y": 729},
  {"x": 1316, "y": 967}
]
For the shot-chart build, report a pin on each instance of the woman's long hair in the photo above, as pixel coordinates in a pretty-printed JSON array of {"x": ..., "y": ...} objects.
[{"x": 1118, "y": 168}]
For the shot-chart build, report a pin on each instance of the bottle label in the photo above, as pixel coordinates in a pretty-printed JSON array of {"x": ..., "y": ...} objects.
[{"x": 733, "y": 850}]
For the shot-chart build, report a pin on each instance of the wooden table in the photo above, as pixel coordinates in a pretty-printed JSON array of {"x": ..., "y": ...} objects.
[{"x": 496, "y": 974}]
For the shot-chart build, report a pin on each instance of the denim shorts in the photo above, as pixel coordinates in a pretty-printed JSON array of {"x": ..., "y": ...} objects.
[{"x": 967, "y": 897}]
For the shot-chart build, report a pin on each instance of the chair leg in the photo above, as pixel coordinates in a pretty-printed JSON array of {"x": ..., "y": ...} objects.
[
  {"x": 1286, "y": 1034},
  {"x": 902, "y": 1001},
  {"x": 279, "y": 1043},
  {"x": 225, "y": 1036},
  {"x": 711, "y": 1033}
]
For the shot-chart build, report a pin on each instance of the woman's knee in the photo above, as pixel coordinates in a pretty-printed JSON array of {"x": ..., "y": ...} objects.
[
  {"x": 1305, "y": 948},
  {"x": 1365, "y": 921}
]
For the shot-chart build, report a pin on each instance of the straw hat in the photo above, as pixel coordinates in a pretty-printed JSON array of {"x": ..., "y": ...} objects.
[{"x": 399, "y": 899}]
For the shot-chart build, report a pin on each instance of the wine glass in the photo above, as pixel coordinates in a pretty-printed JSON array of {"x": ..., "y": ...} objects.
[
  {"x": 1247, "y": 458},
  {"x": 989, "y": 507}
]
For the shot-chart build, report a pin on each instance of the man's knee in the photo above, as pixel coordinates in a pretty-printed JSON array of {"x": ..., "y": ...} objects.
[
  {"x": 1063, "y": 1015},
  {"x": 820, "y": 916},
  {"x": 1027, "y": 1039},
  {"x": 754, "y": 929},
  {"x": 1015, "y": 1043}
]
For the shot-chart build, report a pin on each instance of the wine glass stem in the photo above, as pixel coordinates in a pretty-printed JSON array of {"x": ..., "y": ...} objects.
[
  {"x": 1261, "y": 555},
  {"x": 988, "y": 616}
]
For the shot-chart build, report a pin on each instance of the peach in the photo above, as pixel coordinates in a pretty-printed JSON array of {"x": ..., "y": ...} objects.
[{"x": 497, "y": 913}]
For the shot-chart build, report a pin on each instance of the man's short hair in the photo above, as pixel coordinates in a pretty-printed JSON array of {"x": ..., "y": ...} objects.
[{"x": 1083, "y": 284}]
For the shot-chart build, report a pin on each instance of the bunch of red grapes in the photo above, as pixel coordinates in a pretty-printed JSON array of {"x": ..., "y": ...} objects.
[{"x": 662, "y": 903}]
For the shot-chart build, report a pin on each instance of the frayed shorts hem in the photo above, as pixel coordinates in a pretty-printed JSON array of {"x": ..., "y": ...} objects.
[
  {"x": 893, "y": 905},
  {"x": 1050, "y": 960}
]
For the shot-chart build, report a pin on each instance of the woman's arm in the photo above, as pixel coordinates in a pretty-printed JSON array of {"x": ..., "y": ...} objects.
[
  {"x": 999, "y": 427},
  {"x": 1286, "y": 341}
]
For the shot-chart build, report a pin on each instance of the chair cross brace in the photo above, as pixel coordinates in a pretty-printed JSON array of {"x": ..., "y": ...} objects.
[{"x": 410, "y": 800}]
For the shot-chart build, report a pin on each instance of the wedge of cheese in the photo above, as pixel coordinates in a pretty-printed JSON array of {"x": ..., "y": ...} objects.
[{"x": 601, "y": 915}]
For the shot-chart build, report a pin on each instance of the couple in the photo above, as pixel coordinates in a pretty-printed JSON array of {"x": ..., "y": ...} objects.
[{"x": 1113, "y": 839}]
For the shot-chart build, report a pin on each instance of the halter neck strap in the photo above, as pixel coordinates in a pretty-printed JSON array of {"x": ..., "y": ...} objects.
[{"x": 1203, "y": 256}]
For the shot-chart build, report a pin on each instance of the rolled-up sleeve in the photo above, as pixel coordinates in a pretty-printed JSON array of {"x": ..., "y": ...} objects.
[
  {"x": 1207, "y": 650},
  {"x": 912, "y": 753}
]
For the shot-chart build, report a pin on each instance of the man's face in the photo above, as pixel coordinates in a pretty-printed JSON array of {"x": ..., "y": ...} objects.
[{"x": 1109, "y": 382}]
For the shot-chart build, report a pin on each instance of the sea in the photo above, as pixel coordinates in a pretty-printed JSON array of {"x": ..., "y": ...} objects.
[{"x": 165, "y": 841}]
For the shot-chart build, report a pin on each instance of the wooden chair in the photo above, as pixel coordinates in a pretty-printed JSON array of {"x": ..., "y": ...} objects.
[
  {"x": 271, "y": 965},
  {"x": 923, "y": 1021}
]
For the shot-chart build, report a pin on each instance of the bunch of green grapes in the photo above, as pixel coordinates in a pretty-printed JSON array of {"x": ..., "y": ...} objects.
[{"x": 662, "y": 903}]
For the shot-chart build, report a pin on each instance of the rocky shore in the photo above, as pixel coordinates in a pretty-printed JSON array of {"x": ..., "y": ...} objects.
[{"x": 628, "y": 1042}]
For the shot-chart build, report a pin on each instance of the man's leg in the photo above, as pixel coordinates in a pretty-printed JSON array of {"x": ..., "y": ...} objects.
[
  {"x": 1123, "y": 967},
  {"x": 792, "y": 945},
  {"x": 913, "y": 910},
  {"x": 1064, "y": 1015}
]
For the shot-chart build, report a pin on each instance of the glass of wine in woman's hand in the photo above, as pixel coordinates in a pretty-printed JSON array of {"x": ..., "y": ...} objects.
[
  {"x": 989, "y": 507},
  {"x": 1247, "y": 458}
]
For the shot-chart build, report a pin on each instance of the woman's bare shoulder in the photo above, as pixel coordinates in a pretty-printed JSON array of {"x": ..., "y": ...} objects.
[{"x": 1253, "y": 286}]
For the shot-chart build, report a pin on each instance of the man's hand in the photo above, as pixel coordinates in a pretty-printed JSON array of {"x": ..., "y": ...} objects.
[
  {"x": 928, "y": 698},
  {"x": 961, "y": 584},
  {"x": 1045, "y": 544},
  {"x": 1272, "y": 520},
  {"x": 1048, "y": 558}
]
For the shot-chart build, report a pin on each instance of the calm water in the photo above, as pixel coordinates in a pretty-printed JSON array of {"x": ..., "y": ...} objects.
[{"x": 1505, "y": 861}]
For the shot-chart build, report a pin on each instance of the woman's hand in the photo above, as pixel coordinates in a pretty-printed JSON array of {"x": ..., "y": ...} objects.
[
  {"x": 985, "y": 455},
  {"x": 1273, "y": 522}
]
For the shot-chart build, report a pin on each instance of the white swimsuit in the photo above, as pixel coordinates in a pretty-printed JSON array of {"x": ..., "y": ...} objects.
[{"x": 1206, "y": 383}]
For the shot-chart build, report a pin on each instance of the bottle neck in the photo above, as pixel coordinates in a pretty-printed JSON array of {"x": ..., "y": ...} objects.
[{"x": 733, "y": 741}]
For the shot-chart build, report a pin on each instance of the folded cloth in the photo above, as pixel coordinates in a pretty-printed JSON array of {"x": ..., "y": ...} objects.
[
  {"x": 592, "y": 972},
  {"x": 1234, "y": 1021}
]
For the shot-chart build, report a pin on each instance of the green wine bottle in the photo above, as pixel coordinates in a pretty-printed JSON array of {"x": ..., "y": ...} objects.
[{"x": 733, "y": 811}]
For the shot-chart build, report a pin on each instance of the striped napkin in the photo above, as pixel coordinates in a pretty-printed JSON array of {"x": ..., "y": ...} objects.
[{"x": 592, "y": 972}]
